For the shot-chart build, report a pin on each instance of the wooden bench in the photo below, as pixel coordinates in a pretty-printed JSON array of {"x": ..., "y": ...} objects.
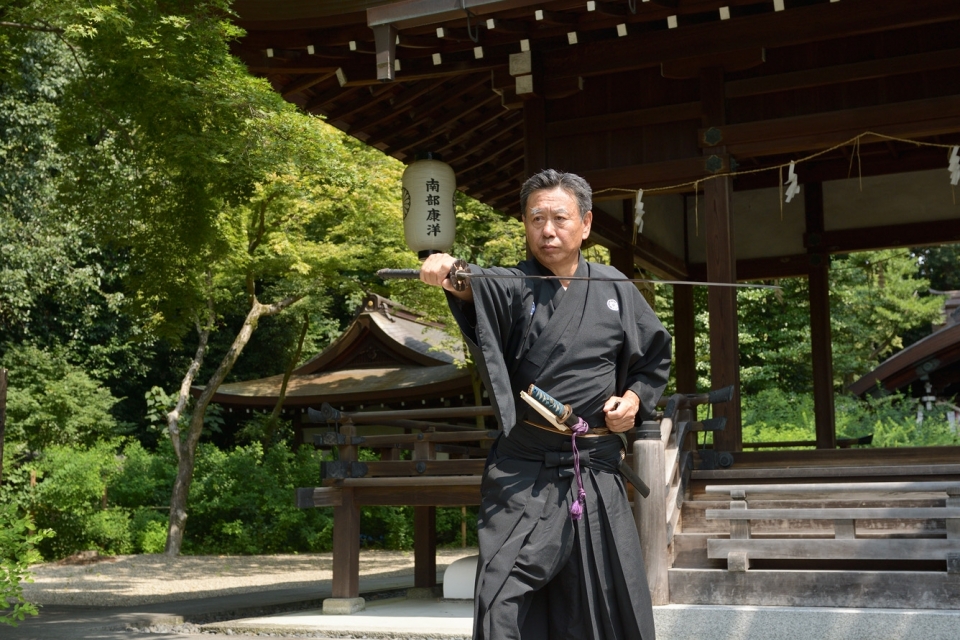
[
  {"x": 845, "y": 544},
  {"x": 423, "y": 482}
]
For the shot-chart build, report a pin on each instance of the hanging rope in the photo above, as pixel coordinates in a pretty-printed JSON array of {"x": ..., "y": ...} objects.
[{"x": 779, "y": 167}]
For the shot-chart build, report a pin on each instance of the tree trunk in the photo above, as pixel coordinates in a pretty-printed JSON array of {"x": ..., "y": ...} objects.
[
  {"x": 188, "y": 447},
  {"x": 3, "y": 415}
]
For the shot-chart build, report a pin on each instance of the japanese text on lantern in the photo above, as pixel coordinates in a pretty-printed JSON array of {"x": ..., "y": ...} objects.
[{"x": 433, "y": 199}]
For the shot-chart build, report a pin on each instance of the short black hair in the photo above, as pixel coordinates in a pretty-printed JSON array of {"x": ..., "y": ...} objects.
[{"x": 551, "y": 179}]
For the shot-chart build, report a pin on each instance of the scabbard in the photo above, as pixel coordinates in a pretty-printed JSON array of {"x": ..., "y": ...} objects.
[{"x": 631, "y": 476}]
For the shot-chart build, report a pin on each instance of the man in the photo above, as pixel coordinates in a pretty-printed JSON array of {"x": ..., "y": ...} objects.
[{"x": 546, "y": 570}]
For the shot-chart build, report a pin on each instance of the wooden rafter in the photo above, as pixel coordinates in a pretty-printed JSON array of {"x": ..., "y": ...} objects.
[{"x": 398, "y": 104}]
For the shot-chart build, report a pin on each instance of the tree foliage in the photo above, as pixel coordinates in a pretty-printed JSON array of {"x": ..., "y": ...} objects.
[{"x": 18, "y": 540}]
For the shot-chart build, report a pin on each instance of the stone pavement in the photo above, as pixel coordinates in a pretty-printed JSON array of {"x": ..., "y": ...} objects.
[
  {"x": 70, "y": 622},
  {"x": 296, "y": 612}
]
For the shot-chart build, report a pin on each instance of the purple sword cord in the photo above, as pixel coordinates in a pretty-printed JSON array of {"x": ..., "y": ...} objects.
[{"x": 576, "y": 509}]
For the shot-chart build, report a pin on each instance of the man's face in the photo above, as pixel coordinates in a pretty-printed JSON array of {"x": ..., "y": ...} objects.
[{"x": 554, "y": 229}]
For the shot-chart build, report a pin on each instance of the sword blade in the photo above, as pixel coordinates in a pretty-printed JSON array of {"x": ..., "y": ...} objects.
[{"x": 414, "y": 274}]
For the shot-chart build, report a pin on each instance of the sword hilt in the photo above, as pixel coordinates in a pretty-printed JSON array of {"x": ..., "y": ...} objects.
[
  {"x": 459, "y": 274},
  {"x": 563, "y": 412}
]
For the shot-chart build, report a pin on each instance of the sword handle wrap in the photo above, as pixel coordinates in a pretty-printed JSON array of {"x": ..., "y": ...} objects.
[
  {"x": 563, "y": 412},
  {"x": 399, "y": 274},
  {"x": 459, "y": 274}
]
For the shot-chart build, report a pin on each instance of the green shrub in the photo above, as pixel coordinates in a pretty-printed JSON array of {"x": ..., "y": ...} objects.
[
  {"x": 18, "y": 539},
  {"x": 69, "y": 499},
  {"x": 148, "y": 530},
  {"x": 773, "y": 415},
  {"x": 242, "y": 501}
]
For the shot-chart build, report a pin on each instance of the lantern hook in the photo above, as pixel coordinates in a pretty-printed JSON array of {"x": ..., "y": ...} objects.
[
  {"x": 473, "y": 32},
  {"x": 632, "y": 5}
]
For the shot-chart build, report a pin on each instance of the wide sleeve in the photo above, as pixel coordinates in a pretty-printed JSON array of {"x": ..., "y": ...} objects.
[
  {"x": 645, "y": 360},
  {"x": 487, "y": 325}
]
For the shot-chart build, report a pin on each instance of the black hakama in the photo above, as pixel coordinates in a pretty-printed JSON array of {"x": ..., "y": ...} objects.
[{"x": 542, "y": 575}]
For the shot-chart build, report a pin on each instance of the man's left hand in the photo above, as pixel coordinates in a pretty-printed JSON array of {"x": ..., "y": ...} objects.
[{"x": 621, "y": 411}]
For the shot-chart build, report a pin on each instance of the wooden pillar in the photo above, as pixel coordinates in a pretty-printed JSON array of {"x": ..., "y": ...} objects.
[
  {"x": 721, "y": 267},
  {"x": 424, "y": 530},
  {"x": 650, "y": 514},
  {"x": 346, "y": 531},
  {"x": 684, "y": 349},
  {"x": 534, "y": 136},
  {"x": 821, "y": 343},
  {"x": 621, "y": 255},
  {"x": 424, "y": 546}
]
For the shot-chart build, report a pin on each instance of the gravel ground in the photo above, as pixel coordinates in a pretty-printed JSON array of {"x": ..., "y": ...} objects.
[{"x": 146, "y": 579}]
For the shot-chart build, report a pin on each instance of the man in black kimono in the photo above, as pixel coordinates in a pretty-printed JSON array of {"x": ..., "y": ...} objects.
[{"x": 548, "y": 568}]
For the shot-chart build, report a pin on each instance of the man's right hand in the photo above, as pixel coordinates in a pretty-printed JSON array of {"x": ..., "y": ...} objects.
[{"x": 435, "y": 271}]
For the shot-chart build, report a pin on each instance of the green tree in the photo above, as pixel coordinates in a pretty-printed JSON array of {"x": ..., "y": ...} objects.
[
  {"x": 53, "y": 402},
  {"x": 876, "y": 297}
]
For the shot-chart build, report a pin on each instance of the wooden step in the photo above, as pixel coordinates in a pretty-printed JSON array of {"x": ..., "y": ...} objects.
[
  {"x": 812, "y": 588},
  {"x": 695, "y": 519}
]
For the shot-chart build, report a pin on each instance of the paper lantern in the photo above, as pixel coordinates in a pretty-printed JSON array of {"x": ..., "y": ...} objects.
[{"x": 429, "y": 191}]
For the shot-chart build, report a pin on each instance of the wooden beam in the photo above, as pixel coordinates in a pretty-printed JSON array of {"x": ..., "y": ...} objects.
[
  {"x": 476, "y": 144},
  {"x": 820, "y": 340},
  {"x": 425, "y": 547},
  {"x": 318, "y": 103},
  {"x": 442, "y": 124},
  {"x": 426, "y": 131},
  {"x": 794, "y": 266},
  {"x": 365, "y": 100},
  {"x": 467, "y": 136},
  {"x": 484, "y": 181},
  {"x": 414, "y": 13},
  {"x": 911, "y": 119},
  {"x": 800, "y": 25},
  {"x": 624, "y": 120},
  {"x": 392, "y": 130},
  {"x": 834, "y": 168},
  {"x": 912, "y": 234},
  {"x": 305, "y": 82},
  {"x": 401, "y": 102},
  {"x": 511, "y": 150},
  {"x": 655, "y": 174},
  {"x": 731, "y": 61},
  {"x": 843, "y": 73}
]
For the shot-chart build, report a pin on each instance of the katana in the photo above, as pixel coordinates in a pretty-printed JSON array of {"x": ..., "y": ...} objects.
[{"x": 460, "y": 274}]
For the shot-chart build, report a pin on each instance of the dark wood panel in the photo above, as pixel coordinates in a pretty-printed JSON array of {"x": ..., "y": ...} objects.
[
  {"x": 779, "y": 29},
  {"x": 841, "y": 73},
  {"x": 624, "y": 119},
  {"x": 900, "y": 235},
  {"x": 913, "y": 119},
  {"x": 761, "y": 268}
]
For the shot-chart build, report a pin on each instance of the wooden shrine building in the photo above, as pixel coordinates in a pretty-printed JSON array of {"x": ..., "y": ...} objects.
[
  {"x": 718, "y": 110},
  {"x": 701, "y": 103},
  {"x": 387, "y": 358}
]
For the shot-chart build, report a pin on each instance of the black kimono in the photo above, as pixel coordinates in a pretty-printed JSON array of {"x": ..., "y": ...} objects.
[{"x": 541, "y": 574}]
